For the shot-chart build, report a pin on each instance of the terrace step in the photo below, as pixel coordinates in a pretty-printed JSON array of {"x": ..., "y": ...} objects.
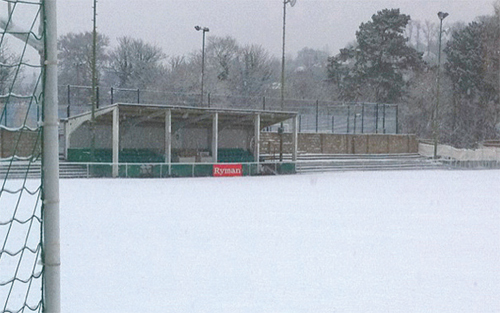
[
  {"x": 365, "y": 162},
  {"x": 21, "y": 170}
]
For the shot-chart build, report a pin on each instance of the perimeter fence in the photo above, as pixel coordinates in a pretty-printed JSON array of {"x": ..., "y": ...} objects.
[{"x": 315, "y": 116}]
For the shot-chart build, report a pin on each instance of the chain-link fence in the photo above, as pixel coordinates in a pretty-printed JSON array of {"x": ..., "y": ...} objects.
[
  {"x": 314, "y": 115},
  {"x": 19, "y": 110}
]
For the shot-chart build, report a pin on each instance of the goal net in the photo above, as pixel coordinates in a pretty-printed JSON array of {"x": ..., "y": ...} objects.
[{"x": 26, "y": 126}]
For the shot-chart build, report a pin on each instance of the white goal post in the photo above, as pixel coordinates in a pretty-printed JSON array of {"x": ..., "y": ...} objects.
[{"x": 50, "y": 165}]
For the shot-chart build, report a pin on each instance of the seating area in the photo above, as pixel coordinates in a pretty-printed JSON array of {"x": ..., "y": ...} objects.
[
  {"x": 106, "y": 156},
  {"x": 225, "y": 155},
  {"x": 140, "y": 156},
  {"x": 84, "y": 155},
  {"x": 234, "y": 155}
]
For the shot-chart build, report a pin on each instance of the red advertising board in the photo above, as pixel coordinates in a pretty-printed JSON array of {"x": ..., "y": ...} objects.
[{"x": 221, "y": 170}]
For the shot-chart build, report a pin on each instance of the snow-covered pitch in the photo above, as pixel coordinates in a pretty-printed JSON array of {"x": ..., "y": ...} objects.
[{"x": 402, "y": 241}]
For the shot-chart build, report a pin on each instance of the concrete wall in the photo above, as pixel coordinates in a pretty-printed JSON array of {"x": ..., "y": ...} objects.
[
  {"x": 189, "y": 139},
  {"x": 341, "y": 143},
  {"x": 153, "y": 137},
  {"x": 481, "y": 154},
  {"x": 235, "y": 138},
  {"x": 81, "y": 137},
  {"x": 27, "y": 140}
]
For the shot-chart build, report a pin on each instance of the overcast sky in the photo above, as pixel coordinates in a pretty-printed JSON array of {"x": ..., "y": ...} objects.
[{"x": 318, "y": 24}]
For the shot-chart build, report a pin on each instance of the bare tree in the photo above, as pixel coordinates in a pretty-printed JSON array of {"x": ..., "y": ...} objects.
[
  {"x": 135, "y": 64},
  {"x": 7, "y": 68},
  {"x": 182, "y": 75},
  {"x": 308, "y": 75},
  {"x": 75, "y": 55},
  {"x": 255, "y": 70},
  {"x": 430, "y": 31},
  {"x": 221, "y": 52}
]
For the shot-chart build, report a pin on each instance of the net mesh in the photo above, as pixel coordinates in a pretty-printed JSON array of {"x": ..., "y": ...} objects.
[{"x": 20, "y": 137}]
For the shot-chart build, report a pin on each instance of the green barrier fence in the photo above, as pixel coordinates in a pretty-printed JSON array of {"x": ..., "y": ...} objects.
[{"x": 164, "y": 170}]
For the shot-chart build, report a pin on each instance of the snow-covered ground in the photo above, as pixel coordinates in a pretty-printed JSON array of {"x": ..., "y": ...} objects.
[{"x": 404, "y": 241}]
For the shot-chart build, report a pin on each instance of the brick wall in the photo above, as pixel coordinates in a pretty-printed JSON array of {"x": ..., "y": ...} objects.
[
  {"x": 340, "y": 143},
  {"x": 25, "y": 141}
]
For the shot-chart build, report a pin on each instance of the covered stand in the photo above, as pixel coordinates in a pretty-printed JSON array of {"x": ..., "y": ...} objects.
[{"x": 135, "y": 133}]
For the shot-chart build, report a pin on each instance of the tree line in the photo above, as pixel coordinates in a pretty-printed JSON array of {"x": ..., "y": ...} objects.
[
  {"x": 385, "y": 65},
  {"x": 393, "y": 60}
]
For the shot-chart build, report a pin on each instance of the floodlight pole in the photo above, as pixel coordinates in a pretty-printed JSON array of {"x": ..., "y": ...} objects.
[
  {"x": 281, "y": 128},
  {"x": 94, "y": 84},
  {"x": 283, "y": 57},
  {"x": 204, "y": 30},
  {"x": 441, "y": 16}
]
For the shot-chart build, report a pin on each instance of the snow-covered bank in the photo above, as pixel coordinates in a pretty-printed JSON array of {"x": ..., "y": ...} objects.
[{"x": 416, "y": 241}]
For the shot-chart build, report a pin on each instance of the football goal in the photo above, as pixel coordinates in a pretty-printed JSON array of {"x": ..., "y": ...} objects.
[{"x": 29, "y": 191}]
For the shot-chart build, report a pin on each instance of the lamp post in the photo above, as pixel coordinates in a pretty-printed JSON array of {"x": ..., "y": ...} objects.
[
  {"x": 441, "y": 16},
  {"x": 281, "y": 128},
  {"x": 204, "y": 30}
]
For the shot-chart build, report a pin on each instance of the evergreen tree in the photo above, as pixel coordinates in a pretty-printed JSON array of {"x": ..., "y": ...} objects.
[
  {"x": 379, "y": 65},
  {"x": 472, "y": 65}
]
